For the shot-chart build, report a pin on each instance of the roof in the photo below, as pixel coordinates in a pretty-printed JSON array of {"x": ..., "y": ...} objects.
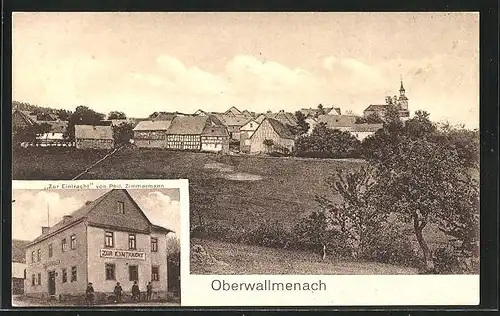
[
  {"x": 84, "y": 212},
  {"x": 93, "y": 132},
  {"x": 25, "y": 115},
  {"x": 233, "y": 110},
  {"x": 76, "y": 216},
  {"x": 365, "y": 127},
  {"x": 260, "y": 118},
  {"x": 161, "y": 229},
  {"x": 377, "y": 107},
  {"x": 215, "y": 131},
  {"x": 280, "y": 129},
  {"x": 247, "y": 113},
  {"x": 165, "y": 116},
  {"x": 152, "y": 125},
  {"x": 334, "y": 121},
  {"x": 235, "y": 121},
  {"x": 55, "y": 126},
  {"x": 18, "y": 253},
  {"x": 187, "y": 125}
]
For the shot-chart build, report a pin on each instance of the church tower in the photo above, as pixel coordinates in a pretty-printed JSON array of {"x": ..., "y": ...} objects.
[{"x": 402, "y": 100}]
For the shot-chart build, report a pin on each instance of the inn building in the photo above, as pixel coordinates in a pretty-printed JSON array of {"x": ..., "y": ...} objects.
[{"x": 106, "y": 241}]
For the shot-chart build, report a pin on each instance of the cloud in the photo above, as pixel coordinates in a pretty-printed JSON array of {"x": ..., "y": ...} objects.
[
  {"x": 161, "y": 210},
  {"x": 244, "y": 70},
  {"x": 29, "y": 211},
  {"x": 190, "y": 79}
]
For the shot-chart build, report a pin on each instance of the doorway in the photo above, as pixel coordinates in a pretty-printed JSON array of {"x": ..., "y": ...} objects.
[{"x": 52, "y": 282}]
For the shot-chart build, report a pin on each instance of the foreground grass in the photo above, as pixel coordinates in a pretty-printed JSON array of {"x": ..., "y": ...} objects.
[{"x": 244, "y": 259}]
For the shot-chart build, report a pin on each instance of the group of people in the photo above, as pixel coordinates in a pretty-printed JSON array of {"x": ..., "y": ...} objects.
[{"x": 118, "y": 291}]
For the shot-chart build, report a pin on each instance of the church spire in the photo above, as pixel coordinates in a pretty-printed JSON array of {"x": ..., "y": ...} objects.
[{"x": 402, "y": 88}]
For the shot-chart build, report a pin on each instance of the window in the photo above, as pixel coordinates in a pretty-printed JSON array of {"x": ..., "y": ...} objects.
[
  {"x": 32, "y": 256},
  {"x": 39, "y": 279},
  {"x": 39, "y": 255},
  {"x": 64, "y": 275},
  {"x": 110, "y": 271},
  {"x": 33, "y": 279},
  {"x": 131, "y": 241},
  {"x": 73, "y": 274},
  {"x": 50, "y": 251},
  {"x": 109, "y": 240},
  {"x": 24, "y": 274},
  {"x": 155, "y": 273},
  {"x": 73, "y": 241},
  {"x": 63, "y": 245},
  {"x": 133, "y": 273},
  {"x": 121, "y": 207},
  {"x": 154, "y": 244}
]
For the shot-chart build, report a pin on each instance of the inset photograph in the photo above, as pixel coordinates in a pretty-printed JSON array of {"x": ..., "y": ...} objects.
[{"x": 96, "y": 247}]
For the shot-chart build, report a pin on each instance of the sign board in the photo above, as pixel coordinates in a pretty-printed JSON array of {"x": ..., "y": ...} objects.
[{"x": 123, "y": 254}]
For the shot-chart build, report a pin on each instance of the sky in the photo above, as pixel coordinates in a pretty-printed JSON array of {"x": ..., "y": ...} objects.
[
  {"x": 29, "y": 211},
  {"x": 140, "y": 63}
]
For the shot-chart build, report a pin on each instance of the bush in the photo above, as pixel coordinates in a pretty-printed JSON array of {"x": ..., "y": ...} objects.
[
  {"x": 447, "y": 260},
  {"x": 390, "y": 245},
  {"x": 271, "y": 235}
]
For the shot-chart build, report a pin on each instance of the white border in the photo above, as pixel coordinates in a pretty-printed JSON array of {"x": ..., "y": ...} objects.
[{"x": 342, "y": 290}]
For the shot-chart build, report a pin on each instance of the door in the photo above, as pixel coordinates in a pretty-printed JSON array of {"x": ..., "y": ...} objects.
[{"x": 52, "y": 282}]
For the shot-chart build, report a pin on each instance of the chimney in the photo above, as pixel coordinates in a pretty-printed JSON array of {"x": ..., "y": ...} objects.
[{"x": 45, "y": 229}]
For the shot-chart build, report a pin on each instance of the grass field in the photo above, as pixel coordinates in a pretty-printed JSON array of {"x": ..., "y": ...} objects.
[
  {"x": 249, "y": 189},
  {"x": 243, "y": 259}
]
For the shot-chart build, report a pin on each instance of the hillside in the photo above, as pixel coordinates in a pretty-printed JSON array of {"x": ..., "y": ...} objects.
[
  {"x": 242, "y": 259},
  {"x": 246, "y": 190}
]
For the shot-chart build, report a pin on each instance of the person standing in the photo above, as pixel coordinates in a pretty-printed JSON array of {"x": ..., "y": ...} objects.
[
  {"x": 136, "y": 293},
  {"x": 118, "y": 292},
  {"x": 90, "y": 294},
  {"x": 149, "y": 291}
]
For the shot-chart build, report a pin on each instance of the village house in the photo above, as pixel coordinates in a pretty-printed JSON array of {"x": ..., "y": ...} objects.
[
  {"x": 106, "y": 241},
  {"x": 233, "y": 112},
  {"x": 185, "y": 132},
  {"x": 200, "y": 112},
  {"x": 151, "y": 134},
  {"x": 347, "y": 123},
  {"x": 245, "y": 132},
  {"x": 272, "y": 136},
  {"x": 284, "y": 117},
  {"x": 55, "y": 135},
  {"x": 260, "y": 118},
  {"x": 312, "y": 121},
  {"x": 22, "y": 120},
  {"x": 215, "y": 138},
  {"x": 18, "y": 266},
  {"x": 234, "y": 124},
  {"x": 400, "y": 102},
  {"x": 94, "y": 137},
  {"x": 315, "y": 112}
]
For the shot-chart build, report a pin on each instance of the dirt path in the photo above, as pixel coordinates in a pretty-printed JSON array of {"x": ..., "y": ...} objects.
[{"x": 98, "y": 162}]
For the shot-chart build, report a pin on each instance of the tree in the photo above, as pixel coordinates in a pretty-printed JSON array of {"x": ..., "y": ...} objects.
[
  {"x": 321, "y": 109},
  {"x": 63, "y": 115},
  {"x": 420, "y": 180},
  {"x": 269, "y": 143},
  {"x": 116, "y": 115},
  {"x": 301, "y": 122},
  {"x": 153, "y": 115},
  {"x": 325, "y": 142},
  {"x": 354, "y": 217},
  {"x": 420, "y": 125},
  {"x": 123, "y": 133},
  {"x": 83, "y": 115}
]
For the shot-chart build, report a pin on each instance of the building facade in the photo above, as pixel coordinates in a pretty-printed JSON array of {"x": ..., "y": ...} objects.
[
  {"x": 246, "y": 132},
  {"x": 18, "y": 266},
  {"x": 108, "y": 240},
  {"x": 94, "y": 137},
  {"x": 185, "y": 132},
  {"x": 400, "y": 102},
  {"x": 215, "y": 139},
  {"x": 151, "y": 134},
  {"x": 272, "y": 136},
  {"x": 54, "y": 136}
]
